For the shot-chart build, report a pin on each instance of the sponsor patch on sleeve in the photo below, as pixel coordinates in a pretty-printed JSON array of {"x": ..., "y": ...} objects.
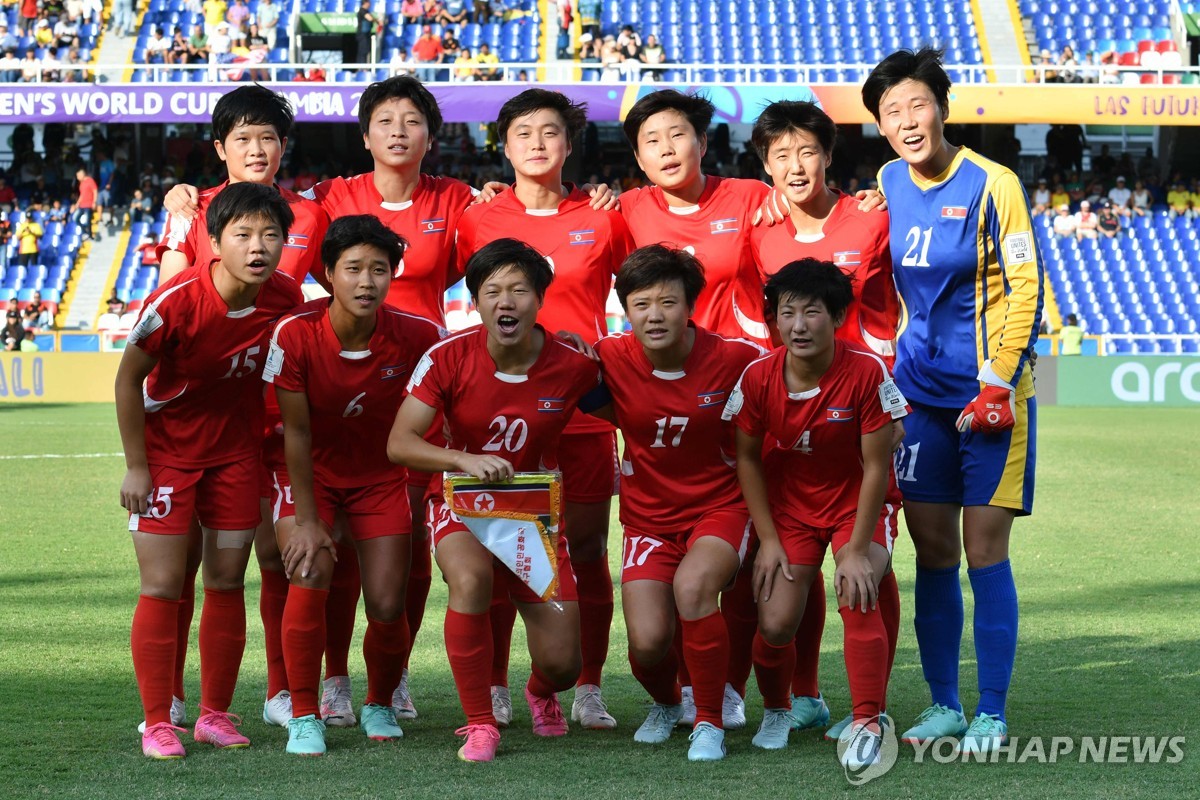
[
  {"x": 1018, "y": 248},
  {"x": 418, "y": 374},
  {"x": 733, "y": 406},
  {"x": 149, "y": 322},
  {"x": 274, "y": 363}
]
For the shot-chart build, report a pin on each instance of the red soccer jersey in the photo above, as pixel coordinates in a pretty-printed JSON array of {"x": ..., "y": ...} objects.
[
  {"x": 717, "y": 232},
  {"x": 204, "y": 398},
  {"x": 679, "y": 455},
  {"x": 352, "y": 396},
  {"x": 301, "y": 253},
  {"x": 811, "y": 440},
  {"x": 858, "y": 243},
  {"x": 427, "y": 222},
  {"x": 516, "y": 417},
  {"x": 585, "y": 248}
]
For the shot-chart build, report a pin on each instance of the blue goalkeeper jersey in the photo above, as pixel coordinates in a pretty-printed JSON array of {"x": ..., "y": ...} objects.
[{"x": 969, "y": 274}]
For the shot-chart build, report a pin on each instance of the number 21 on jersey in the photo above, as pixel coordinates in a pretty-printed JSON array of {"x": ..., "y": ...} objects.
[{"x": 917, "y": 254}]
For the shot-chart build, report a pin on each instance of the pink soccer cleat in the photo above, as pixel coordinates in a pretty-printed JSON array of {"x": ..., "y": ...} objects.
[
  {"x": 548, "y": 719},
  {"x": 220, "y": 730},
  {"x": 481, "y": 743},
  {"x": 162, "y": 742}
]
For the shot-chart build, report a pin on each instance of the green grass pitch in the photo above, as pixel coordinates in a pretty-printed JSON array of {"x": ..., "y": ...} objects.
[{"x": 1107, "y": 569}]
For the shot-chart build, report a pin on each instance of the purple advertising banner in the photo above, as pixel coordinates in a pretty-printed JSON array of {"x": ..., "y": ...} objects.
[{"x": 338, "y": 102}]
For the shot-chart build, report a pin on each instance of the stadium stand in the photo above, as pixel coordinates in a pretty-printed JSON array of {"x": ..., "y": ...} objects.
[
  {"x": 1142, "y": 288},
  {"x": 89, "y": 32},
  {"x": 50, "y": 275}
]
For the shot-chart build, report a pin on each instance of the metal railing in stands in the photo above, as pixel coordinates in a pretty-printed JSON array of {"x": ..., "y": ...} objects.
[{"x": 564, "y": 72}]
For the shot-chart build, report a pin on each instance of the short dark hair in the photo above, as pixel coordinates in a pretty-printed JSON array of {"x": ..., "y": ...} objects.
[
  {"x": 1072, "y": 319},
  {"x": 351, "y": 231},
  {"x": 240, "y": 200},
  {"x": 399, "y": 87},
  {"x": 505, "y": 253},
  {"x": 811, "y": 279},
  {"x": 656, "y": 264},
  {"x": 923, "y": 66},
  {"x": 697, "y": 108},
  {"x": 574, "y": 115},
  {"x": 787, "y": 116},
  {"x": 252, "y": 105}
]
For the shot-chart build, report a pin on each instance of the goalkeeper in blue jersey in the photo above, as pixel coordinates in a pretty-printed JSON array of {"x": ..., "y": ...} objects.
[{"x": 970, "y": 276}]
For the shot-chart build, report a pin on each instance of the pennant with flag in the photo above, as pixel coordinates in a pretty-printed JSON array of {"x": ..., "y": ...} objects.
[{"x": 518, "y": 522}]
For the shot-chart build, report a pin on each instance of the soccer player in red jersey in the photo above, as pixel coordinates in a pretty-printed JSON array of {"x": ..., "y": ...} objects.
[
  {"x": 339, "y": 368},
  {"x": 686, "y": 526},
  {"x": 795, "y": 142},
  {"x": 491, "y": 383},
  {"x": 190, "y": 412},
  {"x": 250, "y": 127},
  {"x": 584, "y": 247},
  {"x": 821, "y": 481}
]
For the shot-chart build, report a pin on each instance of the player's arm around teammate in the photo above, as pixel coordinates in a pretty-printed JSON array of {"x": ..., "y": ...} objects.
[
  {"x": 190, "y": 411},
  {"x": 339, "y": 367},
  {"x": 487, "y": 380},
  {"x": 815, "y": 404}
]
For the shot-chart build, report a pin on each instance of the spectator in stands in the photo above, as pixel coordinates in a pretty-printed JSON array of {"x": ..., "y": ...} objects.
[
  {"x": 220, "y": 46},
  {"x": 366, "y": 24},
  {"x": 1107, "y": 221},
  {"x": 6, "y": 234},
  {"x": 237, "y": 15},
  {"x": 50, "y": 67},
  {"x": 401, "y": 62},
  {"x": 523, "y": 76},
  {"x": 1121, "y": 198},
  {"x": 1096, "y": 194},
  {"x": 1194, "y": 197},
  {"x": 198, "y": 45},
  {"x": 653, "y": 55},
  {"x": 1147, "y": 166},
  {"x": 1075, "y": 188},
  {"x": 485, "y": 58},
  {"x": 1086, "y": 222},
  {"x": 1102, "y": 165},
  {"x": 214, "y": 13},
  {"x": 148, "y": 252},
  {"x": 260, "y": 53},
  {"x": 1041, "y": 198},
  {"x": 29, "y": 233},
  {"x": 627, "y": 35},
  {"x": 431, "y": 10},
  {"x": 177, "y": 51},
  {"x": 1089, "y": 70},
  {"x": 450, "y": 45},
  {"x": 157, "y": 48},
  {"x": 1070, "y": 338},
  {"x": 8, "y": 197},
  {"x": 589, "y": 16},
  {"x": 84, "y": 206},
  {"x": 66, "y": 33},
  {"x": 1064, "y": 222},
  {"x": 29, "y": 15},
  {"x": 483, "y": 11},
  {"x": 10, "y": 67},
  {"x": 267, "y": 17},
  {"x": 56, "y": 213},
  {"x": 139, "y": 207},
  {"x": 1047, "y": 68},
  {"x": 464, "y": 66},
  {"x": 565, "y": 17},
  {"x": 1110, "y": 72},
  {"x": 631, "y": 61},
  {"x": 610, "y": 61},
  {"x": 1070, "y": 66},
  {"x": 7, "y": 40},
  {"x": 1179, "y": 201},
  {"x": 14, "y": 333},
  {"x": 31, "y": 68},
  {"x": 1142, "y": 201},
  {"x": 43, "y": 35},
  {"x": 590, "y": 48},
  {"x": 115, "y": 304},
  {"x": 453, "y": 12},
  {"x": 13, "y": 306},
  {"x": 412, "y": 11},
  {"x": 121, "y": 20},
  {"x": 427, "y": 50},
  {"x": 73, "y": 71}
]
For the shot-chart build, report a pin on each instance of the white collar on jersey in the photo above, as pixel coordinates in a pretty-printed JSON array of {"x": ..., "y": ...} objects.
[
  {"x": 668, "y": 376},
  {"x": 504, "y": 376},
  {"x": 806, "y": 395},
  {"x": 386, "y": 206},
  {"x": 245, "y": 312},
  {"x": 355, "y": 355}
]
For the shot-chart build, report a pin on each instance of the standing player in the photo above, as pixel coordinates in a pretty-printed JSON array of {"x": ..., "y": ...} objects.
[
  {"x": 815, "y": 403},
  {"x": 250, "y": 126},
  {"x": 795, "y": 142},
  {"x": 584, "y": 247},
  {"x": 339, "y": 368},
  {"x": 491, "y": 382},
  {"x": 190, "y": 411},
  {"x": 970, "y": 276},
  {"x": 686, "y": 526}
]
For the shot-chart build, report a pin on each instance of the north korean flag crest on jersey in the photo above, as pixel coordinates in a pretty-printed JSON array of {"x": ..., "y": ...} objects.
[
  {"x": 729, "y": 225},
  {"x": 708, "y": 399},
  {"x": 839, "y": 414},
  {"x": 954, "y": 212},
  {"x": 434, "y": 225},
  {"x": 551, "y": 404},
  {"x": 848, "y": 258},
  {"x": 297, "y": 241},
  {"x": 393, "y": 371},
  {"x": 581, "y": 237}
]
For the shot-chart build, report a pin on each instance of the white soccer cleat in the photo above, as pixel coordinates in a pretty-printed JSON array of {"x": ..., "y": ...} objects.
[
  {"x": 277, "y": 710},
  {"x": 402, "y": 702},
  {"x": 688, "y": 702},
  {"x": 863, "y": 742},
  {"x": 501, "y": 706},
  {"x": 337, "y": 707},
  {"x": 589, "y": 709},
  {"x": 773, "y": 732},
  {"x": 658, "y": 725},
  {"x": 733, "y": 710},
  {"x": 178, "y": 715}
]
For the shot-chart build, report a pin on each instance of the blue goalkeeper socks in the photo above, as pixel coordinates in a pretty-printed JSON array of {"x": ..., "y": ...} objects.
[
  {"x": 938, "y": 620},
  {"x": 995, "y": 634}
]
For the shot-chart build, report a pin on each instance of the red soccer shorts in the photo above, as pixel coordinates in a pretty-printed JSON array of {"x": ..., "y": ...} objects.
[
  {"x": 589, "y": 466},
  {"x": 442, "y": 522},
  {"x": 656, "y": 556},
  {"x": 370, "y": 511},
  {"x": 225, "y": 498},
  {"x": 805, "y": 545}
]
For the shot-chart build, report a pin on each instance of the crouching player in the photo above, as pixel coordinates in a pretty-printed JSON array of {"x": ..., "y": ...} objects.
[
  {"x": 507, "y": 389},
  {"x": 821, "y": 479},
  {"x": 686, "y": 526},
  {"x": 191, "y": 436},
  {"x": 339, "y": 367}
]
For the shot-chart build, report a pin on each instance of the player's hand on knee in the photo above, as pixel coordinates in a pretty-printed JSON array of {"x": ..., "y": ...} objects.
[
  {"x": 870, "y": 200},
  {"x": 135, "y": 490},
  {"x": 774, "y": 210},
  {"x": 489, "y": 469},
  {"x": 771, "y": 558},
  {"x": 602, "y": 196},
  {"x": 855, "y": 582},
  {"x": 304, "y": 544},
  {"x": 992, "y": 411},
  {"x": 182, "y": 201}
]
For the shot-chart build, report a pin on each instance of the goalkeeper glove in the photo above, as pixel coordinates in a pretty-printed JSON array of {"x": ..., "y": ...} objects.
[{"x": 992, "y": 411}]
